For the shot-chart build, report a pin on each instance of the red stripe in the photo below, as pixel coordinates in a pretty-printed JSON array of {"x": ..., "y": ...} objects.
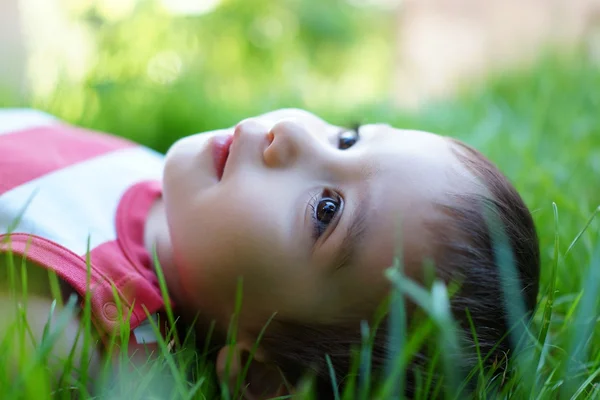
[
  {"x": 133, "y": 290},
  {"x": 68, "y": 266},
  {"x": 29, "y": 154}
]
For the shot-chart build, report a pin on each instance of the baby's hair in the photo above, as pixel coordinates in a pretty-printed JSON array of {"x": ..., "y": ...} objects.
[{"x": 463, "y": 252}]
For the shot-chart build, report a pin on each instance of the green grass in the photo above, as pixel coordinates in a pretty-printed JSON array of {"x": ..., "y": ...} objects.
[{"x": 541, "y": 126}]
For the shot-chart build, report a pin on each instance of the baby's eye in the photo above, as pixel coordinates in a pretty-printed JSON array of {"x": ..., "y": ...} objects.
[
  {"x": 348, "y": 138},
  {"x": 326, "y": 210}
]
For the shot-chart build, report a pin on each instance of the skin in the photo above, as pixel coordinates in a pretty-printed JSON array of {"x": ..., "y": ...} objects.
[{"x": 257, "y": 221}]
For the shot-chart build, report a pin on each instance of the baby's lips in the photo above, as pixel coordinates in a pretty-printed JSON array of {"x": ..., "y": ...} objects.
[{"x": 220, "y": 150}]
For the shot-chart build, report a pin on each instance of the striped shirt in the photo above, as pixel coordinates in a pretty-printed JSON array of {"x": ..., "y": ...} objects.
[{"x": 67, "y": 194}]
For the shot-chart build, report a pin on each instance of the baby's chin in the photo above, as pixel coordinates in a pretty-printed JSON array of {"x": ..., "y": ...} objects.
[
  {"x": 186, "y": 147},
  {"x": 188, "y": 162}
]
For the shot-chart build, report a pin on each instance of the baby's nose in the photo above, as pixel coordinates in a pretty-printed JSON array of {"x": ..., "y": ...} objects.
[{"x": 288, "y": 140}]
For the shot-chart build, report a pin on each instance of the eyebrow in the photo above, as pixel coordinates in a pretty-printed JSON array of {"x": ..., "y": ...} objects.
[{"x": 355, "y": 233}]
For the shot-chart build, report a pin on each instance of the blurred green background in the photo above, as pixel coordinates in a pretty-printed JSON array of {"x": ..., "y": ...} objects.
[{"x": 151, "y": 72}]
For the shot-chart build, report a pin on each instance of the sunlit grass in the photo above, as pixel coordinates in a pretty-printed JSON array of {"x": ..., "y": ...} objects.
[{"x": 541, "y": 127}]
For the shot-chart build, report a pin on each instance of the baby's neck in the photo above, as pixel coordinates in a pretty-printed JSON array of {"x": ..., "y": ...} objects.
[{"x": 156, "y": 236}]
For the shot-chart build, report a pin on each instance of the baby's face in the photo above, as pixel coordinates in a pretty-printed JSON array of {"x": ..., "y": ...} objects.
[{"x": 309, "y": 226}]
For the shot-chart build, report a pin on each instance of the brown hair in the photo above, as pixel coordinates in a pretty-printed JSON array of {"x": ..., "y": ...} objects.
[{"x": 463, "y": 252}]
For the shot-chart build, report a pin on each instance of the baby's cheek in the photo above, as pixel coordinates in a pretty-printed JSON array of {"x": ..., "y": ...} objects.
[
  {"x": 378, "y": 260},
  {"x": 368, "y": 282}
]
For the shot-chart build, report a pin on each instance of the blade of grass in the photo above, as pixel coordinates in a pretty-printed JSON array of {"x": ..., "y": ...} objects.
[
  {"x": 582, "y": 231},
  {"x": 334, "y": 383},
  {"x": 585, "y": 384},
  {"x": 549, "y": 307},
  {"x": 448, "y": 340},
  {"x": 87, "y": 316},
  {"x": 167, "y": 356},
  {"x": 232, "y": 332},
  {"x": 164, "y": 292},
  {"x": 436, "y": 305},
  {"x": 253, "y": 351},
  {"x": 365, "y": 361},
  {"x": 16, "y": 221},
  {"x": 582, "y": 328},
  {"x": 395, "y": 375},
  {"x": 47, "y": 343},
  {"x": 55, "y": 288},
  {"x": 430, "y": 375},
  {"x": 480, "y": 367},
  {"x": 514, "y": 302},
  {"x": 547, "y": 316},
  {"x": 69, "y": 363},
  {"x": 211, "y": 329}
]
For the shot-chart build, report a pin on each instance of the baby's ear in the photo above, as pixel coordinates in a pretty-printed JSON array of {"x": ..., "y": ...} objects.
[{"x": 262, "y": 380}]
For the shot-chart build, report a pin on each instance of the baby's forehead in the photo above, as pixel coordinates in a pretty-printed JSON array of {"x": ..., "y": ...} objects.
[
  {"x": 414, "y": 149},
  {"x": 422, "y": 169}
]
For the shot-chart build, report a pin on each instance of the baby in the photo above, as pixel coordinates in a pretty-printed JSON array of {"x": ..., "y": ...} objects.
[{"x": 304, "y": 216}]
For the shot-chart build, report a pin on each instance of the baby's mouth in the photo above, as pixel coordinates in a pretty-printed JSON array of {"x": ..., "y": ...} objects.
[{"x": 220, "y": 150}]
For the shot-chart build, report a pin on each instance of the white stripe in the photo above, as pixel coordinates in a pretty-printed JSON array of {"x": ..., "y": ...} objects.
[
  {"x": 69, "y": 204},
  {"x": 144, "y": 333},
  {"x": 15, "y": 119}
]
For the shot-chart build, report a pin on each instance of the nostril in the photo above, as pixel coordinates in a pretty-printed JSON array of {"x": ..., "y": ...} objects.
[
  {"x": 270, "y": 137},
  {"x": 279, "y": 152}
]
